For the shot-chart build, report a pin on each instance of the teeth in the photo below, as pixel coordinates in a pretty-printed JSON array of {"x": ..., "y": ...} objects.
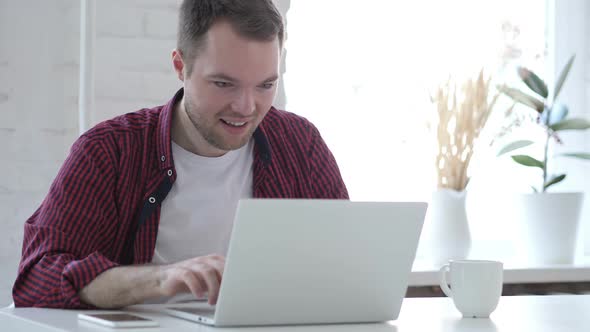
[{"x": 235, "y": 124}]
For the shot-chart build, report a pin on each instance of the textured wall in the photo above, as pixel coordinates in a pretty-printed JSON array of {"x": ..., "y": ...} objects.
[
  {"x": 134, "y": 42},
  {"x": 38, "y": 112}
]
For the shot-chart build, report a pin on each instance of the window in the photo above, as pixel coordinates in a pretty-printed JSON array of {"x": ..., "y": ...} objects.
[{"x": 363, "y": 72}]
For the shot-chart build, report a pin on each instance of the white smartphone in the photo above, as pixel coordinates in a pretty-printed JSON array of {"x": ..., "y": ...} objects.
[{"x": 118, "y": 319}]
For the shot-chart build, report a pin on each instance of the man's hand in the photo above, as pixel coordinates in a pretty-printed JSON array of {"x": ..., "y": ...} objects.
[
  {"x": 126, "y": 285},
  {"x": 198, "y": 275}
]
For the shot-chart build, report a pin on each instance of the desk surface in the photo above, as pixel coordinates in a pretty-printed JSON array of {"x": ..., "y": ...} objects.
[{"x": 562, "y": 313}]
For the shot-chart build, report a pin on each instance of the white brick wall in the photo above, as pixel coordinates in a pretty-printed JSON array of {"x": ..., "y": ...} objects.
[
  {"x": 38, "y": 104},
  {"x": 134, "y": 41}
]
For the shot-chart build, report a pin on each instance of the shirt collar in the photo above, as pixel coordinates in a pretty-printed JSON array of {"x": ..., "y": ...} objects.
[{"x": 164, "y": 135}]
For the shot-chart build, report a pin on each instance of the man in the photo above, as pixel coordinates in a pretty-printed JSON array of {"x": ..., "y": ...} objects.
[{"x": 143, "y": 206}]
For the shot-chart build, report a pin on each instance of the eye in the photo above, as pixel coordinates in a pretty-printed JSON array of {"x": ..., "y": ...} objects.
[
  {"x": 267, "y": 86},
  {"x": 221, "y": 84}
]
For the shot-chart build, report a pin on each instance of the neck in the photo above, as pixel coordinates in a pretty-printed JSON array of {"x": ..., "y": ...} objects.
[{"x": 187, "y": 136}]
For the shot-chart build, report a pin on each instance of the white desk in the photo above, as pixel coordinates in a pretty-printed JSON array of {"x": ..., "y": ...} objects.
[{"x": 561, "y": 313}]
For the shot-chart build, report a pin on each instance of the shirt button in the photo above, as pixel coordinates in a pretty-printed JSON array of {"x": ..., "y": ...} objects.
[
  {"x": 169, "y": 172},
  {"x": 152, "y": 200},
  {"x": 163, "y": 158}
]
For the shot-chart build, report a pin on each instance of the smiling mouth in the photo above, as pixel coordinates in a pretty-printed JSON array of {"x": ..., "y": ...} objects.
[{"x": 233, "y": 124}]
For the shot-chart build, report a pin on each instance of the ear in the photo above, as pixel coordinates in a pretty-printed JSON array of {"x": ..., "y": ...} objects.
[{"x": 178, "y": 63}]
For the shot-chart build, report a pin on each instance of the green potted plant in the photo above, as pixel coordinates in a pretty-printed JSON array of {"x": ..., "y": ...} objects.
[{"x": 550, "y": 220}]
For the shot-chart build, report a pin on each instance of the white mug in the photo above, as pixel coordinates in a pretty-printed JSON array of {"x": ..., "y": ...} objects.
[{"x": 476, "y": 286}]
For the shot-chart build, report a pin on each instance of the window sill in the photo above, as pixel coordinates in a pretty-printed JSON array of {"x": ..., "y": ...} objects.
[{"x": 425, "y": 273}]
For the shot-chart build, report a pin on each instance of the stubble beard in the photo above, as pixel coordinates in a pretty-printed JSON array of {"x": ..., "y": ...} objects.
[{"x": 207, "y": 132}]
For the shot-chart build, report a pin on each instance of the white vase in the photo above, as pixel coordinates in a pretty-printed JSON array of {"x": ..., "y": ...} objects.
[
  {"x": 447, "y": 227},
  {"x": 549, "y": 224}
]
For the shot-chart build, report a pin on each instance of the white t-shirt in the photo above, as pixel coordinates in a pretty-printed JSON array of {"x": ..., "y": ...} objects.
[{"x": 197, "y": 215}]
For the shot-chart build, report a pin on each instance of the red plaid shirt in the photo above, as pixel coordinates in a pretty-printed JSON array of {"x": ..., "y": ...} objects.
[{"x": 103, "y": 208}]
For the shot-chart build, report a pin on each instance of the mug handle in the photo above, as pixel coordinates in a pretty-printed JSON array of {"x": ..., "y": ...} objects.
[{"x": 444, "y": 285}]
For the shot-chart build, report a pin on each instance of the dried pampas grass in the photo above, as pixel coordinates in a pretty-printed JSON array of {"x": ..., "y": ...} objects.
[{"x": 461, "y": 117}]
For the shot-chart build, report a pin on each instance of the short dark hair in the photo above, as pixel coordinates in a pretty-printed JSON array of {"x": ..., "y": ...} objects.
[{"x": 256, "y": 19}]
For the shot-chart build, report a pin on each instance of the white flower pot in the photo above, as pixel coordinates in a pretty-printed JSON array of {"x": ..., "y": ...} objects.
[
  {"x": 447, "y": 229},
  {"x": 549, "y": 224}
]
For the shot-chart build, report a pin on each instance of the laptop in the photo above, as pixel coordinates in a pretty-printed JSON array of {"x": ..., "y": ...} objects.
[{"x": 314, "y": 262}]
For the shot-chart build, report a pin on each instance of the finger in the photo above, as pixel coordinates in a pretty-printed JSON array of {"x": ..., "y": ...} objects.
[
  {"x": 218, "y": 261},
  {"x": 173, "y": 281},
  {"x": 211, "y": 277},
  {"x": 194, "y": 284},
  {"x": 219, "y": 266}
]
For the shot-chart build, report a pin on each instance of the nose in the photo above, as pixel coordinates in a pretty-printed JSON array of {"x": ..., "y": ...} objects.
[{"x": 244, "y": 104}]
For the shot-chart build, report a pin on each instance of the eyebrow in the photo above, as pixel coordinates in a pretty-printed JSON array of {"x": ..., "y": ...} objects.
[
  {"x": 224, "y": 77},
  {"x": 272, "y": 78}
]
